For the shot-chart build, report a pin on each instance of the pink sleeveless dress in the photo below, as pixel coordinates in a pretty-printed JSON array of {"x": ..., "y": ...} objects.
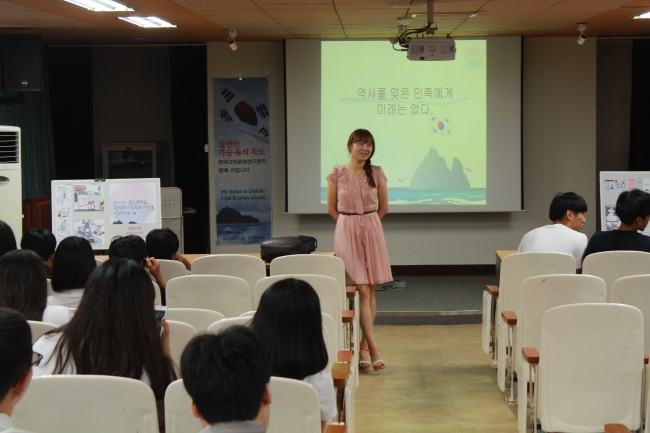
[{"x": 359, "y": 239}]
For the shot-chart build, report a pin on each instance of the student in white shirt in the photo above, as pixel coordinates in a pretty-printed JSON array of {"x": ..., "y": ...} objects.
[
  {"x": 567, "y": 212},
  {"x": 15, "y": 365},
  {"x": 73, "y": 263}
]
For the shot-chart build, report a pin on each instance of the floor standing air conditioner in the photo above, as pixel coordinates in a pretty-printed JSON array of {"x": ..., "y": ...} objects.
[{"x": 11, "y": 194}]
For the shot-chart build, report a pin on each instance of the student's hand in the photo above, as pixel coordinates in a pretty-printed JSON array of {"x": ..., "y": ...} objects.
[
  {"x": 180, "y": 258},
  {"x": 164, "y": 338},
  {"x": 153, "y": 266}
]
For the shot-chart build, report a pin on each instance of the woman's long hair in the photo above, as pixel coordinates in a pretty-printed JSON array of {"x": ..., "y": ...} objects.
[
  {"x": 7, "y": 239},
  {"x": 73, "y": 263},
  {"x": 288, "y": 322},
  {"x": 114, "y": 330},
  {"x": 23, "y": 285},
  {"x": 364, "y": 136}
]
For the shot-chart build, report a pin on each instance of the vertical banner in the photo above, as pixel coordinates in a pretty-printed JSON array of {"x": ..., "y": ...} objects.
[{"x": 242, "y": 164}]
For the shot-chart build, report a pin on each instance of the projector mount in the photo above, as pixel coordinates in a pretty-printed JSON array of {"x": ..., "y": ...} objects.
[{"x": 429, "y": 29}]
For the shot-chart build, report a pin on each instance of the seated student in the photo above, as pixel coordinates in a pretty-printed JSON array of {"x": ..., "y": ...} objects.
[
  {"x": 227, "y": 377},
  {"x": 288, "y": 322},
  {"x": 134, "y": 248},
  {"x": 73, "y": 263},
  {"x": 23, "y": 287},
  {"x": 15, "y": 365},
  {"x": 567, "y": 212},
  {"x": 633, "y": 209},
  {"x": 43, "y": 243},
  {"x": 163, "y": 244},
  {"x": 7, "y": 239}
]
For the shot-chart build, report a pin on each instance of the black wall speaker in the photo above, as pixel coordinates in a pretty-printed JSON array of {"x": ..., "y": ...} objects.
[{"x": 20, "y": 62}]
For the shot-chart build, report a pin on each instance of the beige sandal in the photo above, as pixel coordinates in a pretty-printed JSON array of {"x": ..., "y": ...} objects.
[
  {"x": 378, "y": 364},
  {"x": 363, "y": 364}
]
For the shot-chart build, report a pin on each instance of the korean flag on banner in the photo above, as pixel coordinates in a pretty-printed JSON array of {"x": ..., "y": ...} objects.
[{"x": 236, "y": 110}]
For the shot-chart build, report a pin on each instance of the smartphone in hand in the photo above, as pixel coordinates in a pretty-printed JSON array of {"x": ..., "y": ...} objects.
[{"x": 160, "y": 313}]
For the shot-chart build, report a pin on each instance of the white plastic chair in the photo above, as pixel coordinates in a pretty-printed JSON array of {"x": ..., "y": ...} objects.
[
  {"x": 295, "y": 407},
  {"x": 50, "y": 290},
  {"x": 612, "y": 265},
  {"x": 515, "y": 268},
  {"x": 219, "y": 326},
  {"x": 180, "y": 334},
  {"x": 538, "y": 295},
  {"x": 198, "y": 318},
  {"x": 172, "y": 269},
  {"x": 158, "y": 298},
  {"x": 98, "y": 404},
  {"x": 248, "y": 268},
  {"x": 98, "y": 262},
  {"x": 329, "y": 335},
  {"x": 230, "y": 296},
  {"x": 40, "y": 328},
  {"x": 590, "y": 368},
  {"x": 315, "y": 264},
  {"x": 178, "y": 416},
  {"x": 248, "y": 314}
]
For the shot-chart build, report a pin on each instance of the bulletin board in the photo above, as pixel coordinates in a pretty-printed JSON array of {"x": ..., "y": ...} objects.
[
  {"x": 98, "y": 209},
  {"x": 612, "y": 184}
]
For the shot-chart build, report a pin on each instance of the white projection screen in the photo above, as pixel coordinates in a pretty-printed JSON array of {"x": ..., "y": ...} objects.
[{"x": 447, "y": 133}]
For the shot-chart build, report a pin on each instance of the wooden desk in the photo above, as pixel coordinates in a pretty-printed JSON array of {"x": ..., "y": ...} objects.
[{"x": 192, "y": 257}]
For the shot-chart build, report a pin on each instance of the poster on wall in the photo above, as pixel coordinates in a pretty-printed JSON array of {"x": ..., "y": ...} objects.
[
  {"x": 241, "y": 160},
  {"x": 612, "y": 184}
]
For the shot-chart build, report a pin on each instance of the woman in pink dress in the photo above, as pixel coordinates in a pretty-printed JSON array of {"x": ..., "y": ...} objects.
[{"x": 357, "y": 199}]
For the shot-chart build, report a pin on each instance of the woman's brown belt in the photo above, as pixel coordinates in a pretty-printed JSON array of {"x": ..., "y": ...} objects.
[{"x": 365, "y": 213}]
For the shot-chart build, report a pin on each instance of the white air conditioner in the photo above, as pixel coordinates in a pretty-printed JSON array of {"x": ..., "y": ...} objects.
[{"x": 11, "y": 191}]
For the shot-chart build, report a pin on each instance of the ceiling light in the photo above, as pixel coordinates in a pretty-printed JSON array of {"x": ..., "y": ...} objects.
[
  {"x": 101, "y": 5},
  {"x": 450, "y": 14},
  {"x": 414, "y": 5},
  {"x": 148, "y": 22},
  {"x": 645, "y": 15}
]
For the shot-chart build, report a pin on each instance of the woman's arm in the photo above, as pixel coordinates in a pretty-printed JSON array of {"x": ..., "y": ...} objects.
[
  {"x": 382, "y": 197},
  {"x": 332, "y": 202}
]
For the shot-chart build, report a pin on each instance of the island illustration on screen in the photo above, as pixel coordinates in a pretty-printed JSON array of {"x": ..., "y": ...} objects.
[{"x": 428, "y": 119}]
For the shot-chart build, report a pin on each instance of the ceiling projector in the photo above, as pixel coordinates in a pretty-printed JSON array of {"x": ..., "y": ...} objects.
[{"x": 431, "y": 49}]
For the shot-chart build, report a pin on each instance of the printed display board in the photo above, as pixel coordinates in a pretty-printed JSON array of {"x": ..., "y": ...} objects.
[
  {"x": 98, "y": 210},
  {"x": 612, "y": 184}
]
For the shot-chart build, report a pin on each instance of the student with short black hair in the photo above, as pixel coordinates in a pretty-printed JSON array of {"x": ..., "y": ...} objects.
[
  {"x": 227, "y": 376},
  {"x": 163, "y": 244},
  {"x": 15, "y": 364},
  {"x": 134, "y": 248},
  {"x": 73, "y": 263},
  {"x": 567, "y": 212},
  {"x": 43, "y": 243},
  {"x": 7, "y": 239},
  {"x": 633, "y": 209},
  {"x": 288, "y": 322}
]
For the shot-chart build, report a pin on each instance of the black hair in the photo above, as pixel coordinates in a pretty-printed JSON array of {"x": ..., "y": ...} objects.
[
  {"x": 563, "y": 202},
  {"x": 632, "y": 204},
  {"x": 16, "y": 349},
  {"x": 7, "y": 239},
  {"x": 23, "y": 285},
  {"x": 364, "y": 136},
  {"x": 73, "y": 263},
  {"x": 288, "y": 322},
  {"x": 114, "y": 331},
  {"x": 128, "y": 247},
  {"x": 162, "y": 243},
  {"x": 226, "y": 374},
  {"x": 41, "y": 241}
]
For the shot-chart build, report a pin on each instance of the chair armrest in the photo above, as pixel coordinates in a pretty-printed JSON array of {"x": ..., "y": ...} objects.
[
  {"x": 645, "y": 359},
  {"x": 492, "y": 290},
  {"x": 340, "y": 374},
  {"x": 335, "y": 429},
  {"x": 510, "y": 317},
  {"x": 347, "y": 316},
  {"x": 531, "y": 355},
  {"x": 616, "y": 428},
  {"x": 344, "y": 356},
  {"x": 350, "y": 291}
]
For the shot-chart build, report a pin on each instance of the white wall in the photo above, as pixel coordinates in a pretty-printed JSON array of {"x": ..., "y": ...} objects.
[{"x": 559, "y": 116}]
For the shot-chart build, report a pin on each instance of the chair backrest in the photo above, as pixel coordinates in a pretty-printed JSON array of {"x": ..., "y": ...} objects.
[
  {"x": 200, "y": 319},
  {"x": 330, "y": 337},
  {"x": 230, "y": 296},
  {"x": 515, "y": 268},
  {"x": 158, "y": 298},
  {"x": 50, "y": 290},
  {"x": 98, "y": 262},
  {"x": 635, "y": 291},
  {"x": 220, "y": 325},
  {"x": 99, "y": 404},
  {"x": 40, "y": 328},
  {"x": 541, "y": 293},
  {"x": 178, "y": 416},
  {"x": 248, "y": 314},
  {"x": 172, "y": 269},
  {"x": 295, "y": 407},
  {"x": 612, "y": 265},
  {"x": 180, "y": 334},
  {"x": 591, "y": 364},
  {"x": 316, "y": 264},
  {"x": 248, "y": 268}
]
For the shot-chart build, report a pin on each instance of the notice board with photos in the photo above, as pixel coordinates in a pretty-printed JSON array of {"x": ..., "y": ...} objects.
[
  {"x": 98, "y": 209},
  {"x": 612, "y": 184}
]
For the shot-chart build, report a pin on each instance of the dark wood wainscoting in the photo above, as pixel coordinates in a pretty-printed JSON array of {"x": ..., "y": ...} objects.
[{"x": 37, "y": 213}]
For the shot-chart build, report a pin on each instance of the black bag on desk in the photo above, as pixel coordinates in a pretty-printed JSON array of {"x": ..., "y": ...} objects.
[{"x": 286, "y": 246}]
